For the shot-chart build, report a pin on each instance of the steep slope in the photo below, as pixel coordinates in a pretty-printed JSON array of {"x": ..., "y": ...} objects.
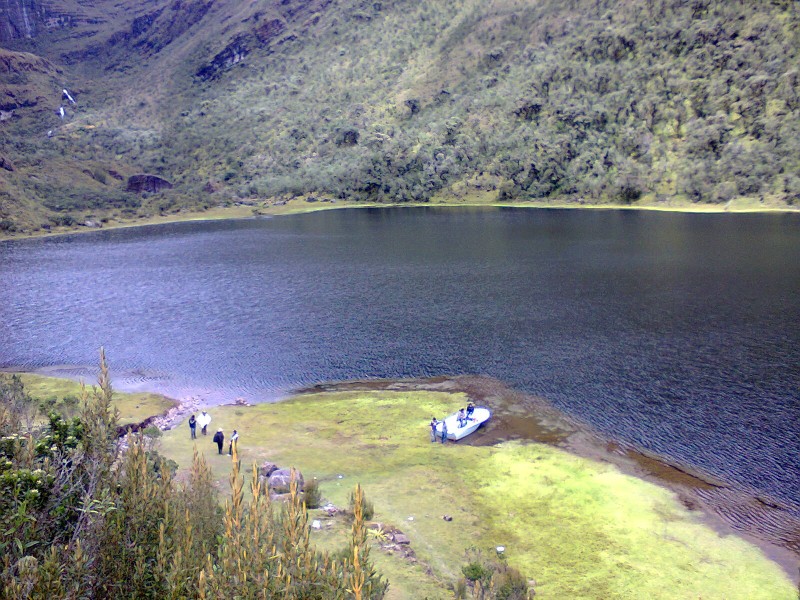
[{"x": 642, "y": 101}]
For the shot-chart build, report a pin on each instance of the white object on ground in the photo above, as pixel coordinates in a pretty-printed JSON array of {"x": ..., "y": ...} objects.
[{"x": 479, "y": 416}]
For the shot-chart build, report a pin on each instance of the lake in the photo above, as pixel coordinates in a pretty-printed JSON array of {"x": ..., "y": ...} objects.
[{"x": 676, "y": 332}]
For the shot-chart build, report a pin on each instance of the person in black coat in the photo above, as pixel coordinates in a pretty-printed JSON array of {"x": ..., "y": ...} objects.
[{"x": 219, "y": 439}]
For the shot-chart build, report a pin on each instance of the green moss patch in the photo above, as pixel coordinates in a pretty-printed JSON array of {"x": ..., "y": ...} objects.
[
  {"x": 62, "y": 395},
  {"x": 579, "y": 528}
]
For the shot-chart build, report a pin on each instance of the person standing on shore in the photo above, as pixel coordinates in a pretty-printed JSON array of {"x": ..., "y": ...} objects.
[
  {"x": 434, "y": 422},
  {"x": 234, "y": 439},
  {"x": 219, "y": 439},
  {"x": 444, "y": 431},
  {"x": 204, "y": 420},
  {"x": 193, "y": 427}
]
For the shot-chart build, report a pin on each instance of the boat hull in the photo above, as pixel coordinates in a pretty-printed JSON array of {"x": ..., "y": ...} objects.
[{"x": 456, "y": 432}]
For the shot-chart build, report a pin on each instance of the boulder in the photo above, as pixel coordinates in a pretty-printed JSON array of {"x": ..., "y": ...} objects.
[
  {"x": 267, "y": 469},
  {"x": 147, "y": 183},
  {"x": 401, "y": 538},
  {"x": 279, "y": 481},
  {"x": 6, "y": 164}
]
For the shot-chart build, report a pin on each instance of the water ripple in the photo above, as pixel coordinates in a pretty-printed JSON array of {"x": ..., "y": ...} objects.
[{"x": 678, "y": 333}]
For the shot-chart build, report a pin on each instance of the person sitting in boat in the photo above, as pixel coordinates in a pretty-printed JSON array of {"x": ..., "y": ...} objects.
[
  {"x": 470, "y": 410},
  {"x": 462, "y": 417}
]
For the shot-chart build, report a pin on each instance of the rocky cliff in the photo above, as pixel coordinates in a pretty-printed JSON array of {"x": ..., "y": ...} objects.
[{"x": 19, "y": 19}]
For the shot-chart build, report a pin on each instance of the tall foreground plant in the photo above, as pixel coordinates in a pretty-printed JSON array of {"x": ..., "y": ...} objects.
[
  {"x": 52, "y": 476},
  {"x": 80, "y": 518},
  {"x": 268, "y": 555}
]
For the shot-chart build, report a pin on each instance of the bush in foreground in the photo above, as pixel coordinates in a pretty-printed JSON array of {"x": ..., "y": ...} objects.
[{"x": 81, "y": 518}]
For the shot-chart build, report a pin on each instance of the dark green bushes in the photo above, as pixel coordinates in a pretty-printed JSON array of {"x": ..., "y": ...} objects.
[
  {"x": 82, "y": 519},
  {"x": 618, "y": 107},
  {"x": 312, "y": 495},
  {"x": 488, "y": 579}
]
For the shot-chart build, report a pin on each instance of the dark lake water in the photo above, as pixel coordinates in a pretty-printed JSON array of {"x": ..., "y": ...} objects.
[{"x": 677, "y": 332}]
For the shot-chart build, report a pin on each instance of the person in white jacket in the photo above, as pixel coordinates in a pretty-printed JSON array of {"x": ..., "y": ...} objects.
[
  {"x": 234, "y": 439},
  {"x": 204, "y": 420}
]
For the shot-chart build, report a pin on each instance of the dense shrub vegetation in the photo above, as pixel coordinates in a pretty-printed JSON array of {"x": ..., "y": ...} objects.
[
  {"x": 83, "y": 517},
  {"x": 588, "y": 100},
  {"x": 603, "y": 101},
  {"x": 491, "y": 579}
]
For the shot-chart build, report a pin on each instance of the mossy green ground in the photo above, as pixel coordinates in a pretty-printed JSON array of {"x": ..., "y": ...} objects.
[
  {"x": 581, "y": 529},
  {"x": 133, "y": 408}
]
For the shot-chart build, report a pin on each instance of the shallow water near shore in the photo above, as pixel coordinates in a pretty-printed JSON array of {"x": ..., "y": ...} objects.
[{"x": 678, "y": 333}]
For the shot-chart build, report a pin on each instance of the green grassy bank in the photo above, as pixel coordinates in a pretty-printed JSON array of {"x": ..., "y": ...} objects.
[
  {"x": 580, "y": 529},
  {"x": 486, "y": 200},
  {"x": 62, "y": 395}
]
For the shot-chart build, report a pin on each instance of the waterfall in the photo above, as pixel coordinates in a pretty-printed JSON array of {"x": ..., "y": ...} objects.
[{"x": 28, "y": 29}]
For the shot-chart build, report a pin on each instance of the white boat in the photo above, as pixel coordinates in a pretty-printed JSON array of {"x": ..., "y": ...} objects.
[{"x": 455, "y": 431}]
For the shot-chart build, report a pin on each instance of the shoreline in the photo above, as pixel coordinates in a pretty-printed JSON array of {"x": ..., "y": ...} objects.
[
  {"x": 303, "y": 206},
  {"x": 523, "y": 417},
  {"x": 519, "y": 416}
]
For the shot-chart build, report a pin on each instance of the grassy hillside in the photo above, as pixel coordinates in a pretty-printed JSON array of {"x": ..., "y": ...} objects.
[{"x": 642, "y": 102}]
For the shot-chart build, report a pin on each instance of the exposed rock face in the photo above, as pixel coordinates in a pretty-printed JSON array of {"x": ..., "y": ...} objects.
[
  {"x": 279, "y": 481},
  {"x": 283, "y": 22},
  {"x": 147, "y": 183},
  {"x": 231, "y": 55},
  {"x": 18, "y": 20},
  {"x": 6, "y": 164}
]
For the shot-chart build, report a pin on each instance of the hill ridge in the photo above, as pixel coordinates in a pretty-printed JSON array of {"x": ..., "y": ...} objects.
[{"x": 638, "y": 103}]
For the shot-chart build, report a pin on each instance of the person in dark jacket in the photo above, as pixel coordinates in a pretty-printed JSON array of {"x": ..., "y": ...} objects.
[
  {"x": 470, "y": 410},
  {"x": 193, "y": 427},
  {"x": 219, "y": 439}
]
